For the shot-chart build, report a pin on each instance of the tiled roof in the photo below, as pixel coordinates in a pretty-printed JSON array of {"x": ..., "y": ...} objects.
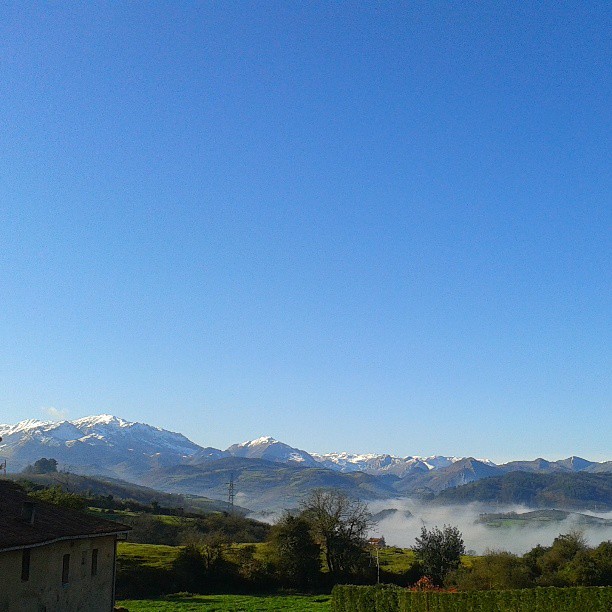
[{"x": 50, "y": 522}]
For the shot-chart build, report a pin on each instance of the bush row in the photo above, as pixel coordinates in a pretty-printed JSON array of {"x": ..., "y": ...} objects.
[{"x": 393, "y": 599}]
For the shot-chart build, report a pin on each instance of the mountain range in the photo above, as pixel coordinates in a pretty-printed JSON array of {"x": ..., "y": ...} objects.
[{"x": 267, "y": 473}]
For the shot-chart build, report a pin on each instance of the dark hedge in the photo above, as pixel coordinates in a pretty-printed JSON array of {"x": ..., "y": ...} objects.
[{"x": 393, "y": 599}]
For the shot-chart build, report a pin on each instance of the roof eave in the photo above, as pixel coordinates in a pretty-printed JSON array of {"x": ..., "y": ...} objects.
[{"x": 64, "y": 538}]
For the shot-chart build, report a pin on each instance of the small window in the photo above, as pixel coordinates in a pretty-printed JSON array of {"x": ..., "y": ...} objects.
[
  {"x": 65, "y": 569},
  {"x": 83, "y": 557},
  {"x": 94, "y": 561},
  {"x": 25, "y": 565}
]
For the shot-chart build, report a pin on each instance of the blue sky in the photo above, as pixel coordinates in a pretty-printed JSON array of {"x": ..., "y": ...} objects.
[{"x": 352, "y": 226}]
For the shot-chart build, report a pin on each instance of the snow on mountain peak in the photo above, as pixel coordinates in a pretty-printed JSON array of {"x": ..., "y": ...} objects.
[
  {"x": 101, "y": 419},
  {"x": 99, "y": 442},
  {"x": 270, "y": 449},
  {"x": 70, "y": 439},
  {"x": 261, "y": 441},
  {"x": 23, "y": 426},
  {"x": 254, "y": 445},
  {"x": 381, "y": 463},
  {"x": 107, "y": 429}
]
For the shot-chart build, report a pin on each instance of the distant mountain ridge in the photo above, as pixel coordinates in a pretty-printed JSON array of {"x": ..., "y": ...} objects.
[
  {"x": 265, "y": 468},
  {"x": 23, "y": 441},
  {"x": 569, "y": 491},
  {"x": 382, "y": 464}
]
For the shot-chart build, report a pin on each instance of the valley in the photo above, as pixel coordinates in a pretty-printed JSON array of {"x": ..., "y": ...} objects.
[
  {"x": 107, "y": 455},
  {"x": 270, "y": 475}
]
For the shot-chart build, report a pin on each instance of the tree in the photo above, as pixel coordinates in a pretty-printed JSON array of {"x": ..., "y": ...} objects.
[
  {"x": 602, "y": 559},
  {"x": 296, "y": 553},
  {"x": 339, "y": 526},
  {"x": 439, "y": 552},
  {"x": 563, "y": 550},
  {"x": 42, "y": 466},
  {"x": 213, "y": 547},
  {"x": 249, "y": 567},
  {"x": 189, "y": 568},
  {"x": 55, "y": 495},
  {"x": 494, "y": 570}
]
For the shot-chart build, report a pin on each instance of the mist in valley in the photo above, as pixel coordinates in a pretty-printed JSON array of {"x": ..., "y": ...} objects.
[{"x": 401, "y": 530}]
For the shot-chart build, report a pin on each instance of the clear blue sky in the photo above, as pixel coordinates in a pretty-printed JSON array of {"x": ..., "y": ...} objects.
[{"x": 352, "y": 226}]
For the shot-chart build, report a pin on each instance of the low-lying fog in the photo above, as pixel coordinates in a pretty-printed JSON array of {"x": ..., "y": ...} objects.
[{"x": 401, "y": 531}]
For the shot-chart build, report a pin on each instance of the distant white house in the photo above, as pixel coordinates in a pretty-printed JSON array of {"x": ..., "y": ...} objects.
[{"x": 54, "y": 559}]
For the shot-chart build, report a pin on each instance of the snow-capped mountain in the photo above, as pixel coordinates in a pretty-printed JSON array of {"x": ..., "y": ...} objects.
[
  {"x": 109, "y": 445},
  {"x": 272, "y": 450},
  {"x": 95, "y": 444},
  {"x": 148, "y": 439},
  {"x": 382, "y": 464}
]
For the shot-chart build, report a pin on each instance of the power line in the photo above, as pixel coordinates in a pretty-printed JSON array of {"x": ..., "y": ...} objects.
[{"x": 231, "y": 493}]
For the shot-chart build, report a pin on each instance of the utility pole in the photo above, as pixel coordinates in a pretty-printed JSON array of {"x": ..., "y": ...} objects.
[
  {"x": 377, "y": 567},
  {"x": 2, "y": 462},
  {"x": 230, "y": 493},
  {"x": 374, "y": 545}
]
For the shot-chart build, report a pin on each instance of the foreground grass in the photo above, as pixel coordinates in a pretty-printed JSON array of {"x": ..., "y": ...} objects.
[{"x": 230, "y": 603}]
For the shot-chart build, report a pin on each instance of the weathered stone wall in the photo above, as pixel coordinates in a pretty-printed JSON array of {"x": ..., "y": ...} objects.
[{"x": 44, "y": 591}]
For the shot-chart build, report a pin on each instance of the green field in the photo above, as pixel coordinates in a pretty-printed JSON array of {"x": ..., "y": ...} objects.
[
  {"x": 393, "y": 560},
  {"x": 396, "y": 560},
  {"x": 152, "y": 555},
  {"x": 231, "y": 603}
]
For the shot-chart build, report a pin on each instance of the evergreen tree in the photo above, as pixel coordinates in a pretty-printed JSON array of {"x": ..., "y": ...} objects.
[
  {"x": 439, "y": 552},
  {"x": 296, "y": 553}
]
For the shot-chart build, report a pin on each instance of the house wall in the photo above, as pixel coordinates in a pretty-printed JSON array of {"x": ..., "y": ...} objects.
[{"x": 44, "y": 591}]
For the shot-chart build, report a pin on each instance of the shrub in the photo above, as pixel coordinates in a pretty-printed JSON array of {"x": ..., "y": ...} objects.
[{"x": 394, "y": 599}]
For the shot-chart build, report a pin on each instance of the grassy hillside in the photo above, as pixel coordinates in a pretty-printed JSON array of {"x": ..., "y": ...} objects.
[
  {"x": 121, "y": 490},
  {"x": 541, "y": 517},
  {"x": 176, "y": 530},
  {"x": 151, "y": 523},
  {"x": 147, "y": 555}
]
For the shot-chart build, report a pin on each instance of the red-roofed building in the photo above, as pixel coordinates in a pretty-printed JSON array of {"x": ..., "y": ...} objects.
[
  {"x": 54, "y": 559},
  {"x": 377, "y": 542}
]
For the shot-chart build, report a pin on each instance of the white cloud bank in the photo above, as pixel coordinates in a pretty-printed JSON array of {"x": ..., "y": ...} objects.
[
  {"x": 402, "y": 531},
  {"x": 55, "y": 413}
]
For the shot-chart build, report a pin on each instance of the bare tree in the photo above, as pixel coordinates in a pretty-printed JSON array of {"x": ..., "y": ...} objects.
[{"x": 339, "y": 525}]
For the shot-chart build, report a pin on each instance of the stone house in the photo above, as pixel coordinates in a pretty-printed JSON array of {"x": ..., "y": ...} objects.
[{"x": 54, "y": 559}]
